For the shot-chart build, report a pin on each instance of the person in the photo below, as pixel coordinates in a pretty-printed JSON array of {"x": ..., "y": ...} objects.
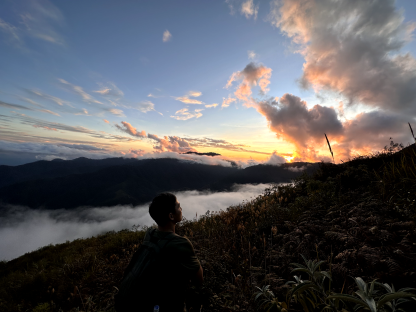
[{"x": 177, "y": 265}]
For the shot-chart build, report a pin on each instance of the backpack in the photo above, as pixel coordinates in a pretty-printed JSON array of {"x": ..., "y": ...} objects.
[{"x": 138, "y": 288}]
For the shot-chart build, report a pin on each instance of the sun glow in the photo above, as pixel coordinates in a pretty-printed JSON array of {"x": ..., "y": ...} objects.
[{"x": 289, "y": 158}]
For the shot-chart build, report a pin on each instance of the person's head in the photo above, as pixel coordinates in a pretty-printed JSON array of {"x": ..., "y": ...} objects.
[{"x": 165, "y": 208}]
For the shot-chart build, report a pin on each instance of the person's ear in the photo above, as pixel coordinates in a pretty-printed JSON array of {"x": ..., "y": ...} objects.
[{"x": 171, "y": 216}]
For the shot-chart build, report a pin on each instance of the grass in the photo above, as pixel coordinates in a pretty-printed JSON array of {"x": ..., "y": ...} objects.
[{"x": 358, "y": 217}]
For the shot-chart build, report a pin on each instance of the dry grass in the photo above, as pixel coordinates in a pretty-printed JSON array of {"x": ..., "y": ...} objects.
[{"x": 338, "y": 214}]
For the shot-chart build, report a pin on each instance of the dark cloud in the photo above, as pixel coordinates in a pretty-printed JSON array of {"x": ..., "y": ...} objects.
[
  {"x": 293, "y": 122},
  {"x": 291, "y": 119}
]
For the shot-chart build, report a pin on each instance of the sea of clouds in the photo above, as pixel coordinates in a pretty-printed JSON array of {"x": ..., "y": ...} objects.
[{"x": 23, "y": 229}]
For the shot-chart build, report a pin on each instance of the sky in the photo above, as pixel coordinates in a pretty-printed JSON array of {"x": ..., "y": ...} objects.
[{"x": 254, "y": 81}]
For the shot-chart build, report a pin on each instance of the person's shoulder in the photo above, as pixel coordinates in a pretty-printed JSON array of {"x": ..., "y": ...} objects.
[
  {"x": 181, "y": 239},
  {"x": 181, "y": 242}
]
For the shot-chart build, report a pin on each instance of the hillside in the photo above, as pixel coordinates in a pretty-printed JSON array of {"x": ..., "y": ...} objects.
[
  {"x": 117, "y": 181},
  {"x": 359, "y": 217}
]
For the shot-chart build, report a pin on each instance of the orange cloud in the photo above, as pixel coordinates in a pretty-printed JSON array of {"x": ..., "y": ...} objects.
[
  {"x": 185, "y": 114},
  {"x": 45, "y": 127},
  {"x": 211, "y": 105},
  {"x": 183, "y": 145},
  {"x": 352, "y": 48},
  {"x": 227, "y": 101},
  {"x": 128, "y": 128},
  {"x": 292, "y": 121},
  {"x": 252, "y": 75}
]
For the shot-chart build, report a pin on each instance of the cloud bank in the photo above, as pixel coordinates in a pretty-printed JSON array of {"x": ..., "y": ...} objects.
[
  {"x": 24, "y": 230},
  {"x": 353, "y": 47},
  {"x": 293, "y": 121}
]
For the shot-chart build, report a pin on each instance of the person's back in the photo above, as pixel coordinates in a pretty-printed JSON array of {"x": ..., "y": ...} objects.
[
  {"x": 178, "y": 267},
  {"x": 164, "y": 282}
]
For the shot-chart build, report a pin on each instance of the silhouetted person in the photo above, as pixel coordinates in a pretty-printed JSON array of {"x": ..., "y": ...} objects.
[{"x": 175, "y": 265}]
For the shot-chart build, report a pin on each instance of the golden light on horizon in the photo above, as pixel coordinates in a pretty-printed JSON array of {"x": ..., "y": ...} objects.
[{"x": 289, "y": 158}]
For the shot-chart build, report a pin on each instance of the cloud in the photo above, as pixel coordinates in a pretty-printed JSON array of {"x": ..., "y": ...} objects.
[
  {"x": 183, "y": 145},
  {"x": 49, "y": 151},
  {"x": 185, "y": 114},
  {"x": 111, "y": 90},
  {"x": 211, "y": 105},
  {"x": 275, "y": 159},
  {"x": 26, "y": 120},
  {"x": 252, "y": 75},
  {"x": 201, "y": 159},
  {"x": 83, "y": 112},
  {"x": 166, "y": 36},
  {"x": 218, "y": 143},
  {"x": 24, "y": 230},
  {"x": 14, "y": 106},
  {"x": 353, "y": 48},
  {"x": 369, "y": 132},
  {"x": 41, "y": 20},
  {"x": 38, "y": 20},
  {"x": 106, "y": 121},
  {"x": 171, "y": 144},
  {"x": 9, "y": 29},
  {"x": 46, "y": 96},
  {"x": 78, "y": 90},
  {"x": 185, "y": 99},
  {"x": 128, "y": 128},
  {"x": 291, "y": 120},
  {"x": 45, "y": 127},
  {"x": 194, "y": 93},
  {"x": 145, "y": 106},
  {"x": 154, "y": 96},
  {"x": 19, "y": 107},
  {"x": 251, "y": 55},
  {"x": 249, "y": 9},
  {"x": 117, "y": 112},
  {"x": 227, "y": 101},
  {"x": 48, "y": 112}
]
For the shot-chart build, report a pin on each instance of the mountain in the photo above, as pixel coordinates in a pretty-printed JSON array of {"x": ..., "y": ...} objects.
[
  {"x": 264, "y": 174},
  {"x": 56, "y": 168},
  {"x": 117, "y": 181},
  {"x": 203, "y": 154},
  {"x": 359, "y": 216}
]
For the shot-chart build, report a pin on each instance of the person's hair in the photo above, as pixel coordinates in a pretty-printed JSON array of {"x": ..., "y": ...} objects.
[{"x": 161, "y": 206}]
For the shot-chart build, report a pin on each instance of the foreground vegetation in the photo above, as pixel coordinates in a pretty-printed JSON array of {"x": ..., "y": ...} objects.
[{"x": 356, "y": 221}]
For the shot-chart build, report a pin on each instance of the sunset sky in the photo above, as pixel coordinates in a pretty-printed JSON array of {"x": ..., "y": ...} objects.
[{"x": 255, "y": 81}]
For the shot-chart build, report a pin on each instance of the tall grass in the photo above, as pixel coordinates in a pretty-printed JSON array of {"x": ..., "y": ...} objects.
[
  {"x": 330, "y": 149},
  {"x": 411, "y": 130},
  {"x": 339, "y": 215}
]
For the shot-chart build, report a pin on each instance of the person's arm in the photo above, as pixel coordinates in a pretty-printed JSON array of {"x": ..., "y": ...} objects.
[{"x": 198, "y": 278}]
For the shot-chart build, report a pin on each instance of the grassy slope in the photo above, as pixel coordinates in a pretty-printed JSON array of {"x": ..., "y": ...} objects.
[{"x": 360, "y": 216}]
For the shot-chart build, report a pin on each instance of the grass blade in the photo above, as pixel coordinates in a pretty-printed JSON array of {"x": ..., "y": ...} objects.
[{"x": 330, "y": 149}]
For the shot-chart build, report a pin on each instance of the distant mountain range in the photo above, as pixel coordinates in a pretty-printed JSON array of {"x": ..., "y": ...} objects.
[{"x": 120, "y": 181}]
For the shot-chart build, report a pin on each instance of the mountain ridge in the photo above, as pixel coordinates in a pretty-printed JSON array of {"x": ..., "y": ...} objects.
[{"x": 85, "y": 182}]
